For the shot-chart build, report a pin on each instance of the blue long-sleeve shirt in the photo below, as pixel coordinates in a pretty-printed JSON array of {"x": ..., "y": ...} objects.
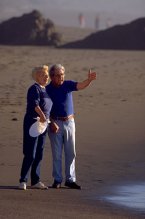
[{"x": 37, "y": 96}]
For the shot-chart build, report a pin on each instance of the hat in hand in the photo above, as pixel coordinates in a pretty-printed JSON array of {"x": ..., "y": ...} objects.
[{"x": 38, "y": 128}]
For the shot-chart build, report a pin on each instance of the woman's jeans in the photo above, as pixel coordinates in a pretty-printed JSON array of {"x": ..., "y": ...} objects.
[
  {"x": 65, "y": 137},
  {"x": 33, "y": 153}
]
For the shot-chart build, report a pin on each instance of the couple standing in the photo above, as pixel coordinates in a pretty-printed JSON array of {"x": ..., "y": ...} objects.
[{"x": 51, "y": 101}]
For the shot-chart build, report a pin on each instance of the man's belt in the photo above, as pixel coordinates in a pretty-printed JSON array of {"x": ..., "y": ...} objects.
[{"x": 63, "y": 118}]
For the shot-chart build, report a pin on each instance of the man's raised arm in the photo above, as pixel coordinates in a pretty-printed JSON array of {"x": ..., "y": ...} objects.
[{"x": 91, "y": 76}]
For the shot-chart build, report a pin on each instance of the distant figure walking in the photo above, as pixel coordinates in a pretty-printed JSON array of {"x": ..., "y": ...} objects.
[
  {"x": 108, "y": 23},
  {"x": 97, "y": 21},
  {"x": 82, "y": 20}
]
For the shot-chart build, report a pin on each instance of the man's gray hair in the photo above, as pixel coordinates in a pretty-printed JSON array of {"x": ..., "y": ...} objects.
[{"x": 53, "y": 68}]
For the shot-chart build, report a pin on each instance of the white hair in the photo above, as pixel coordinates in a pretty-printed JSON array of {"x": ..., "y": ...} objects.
[
  {"x": 39, "y": 69},
  {"x": 54, "y": 67}
]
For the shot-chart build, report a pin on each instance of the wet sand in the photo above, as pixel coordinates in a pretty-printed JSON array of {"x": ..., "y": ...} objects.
[{"x": 110, "y": 133}]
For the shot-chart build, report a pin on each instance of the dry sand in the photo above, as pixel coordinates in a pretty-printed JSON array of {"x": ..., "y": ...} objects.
[
  {"x": 71, "y": 34},
  {"x": 110, "y": 132}
]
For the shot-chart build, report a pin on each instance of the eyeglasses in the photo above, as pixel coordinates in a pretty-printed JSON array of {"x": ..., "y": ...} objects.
[{"x": 59, "y": 75}]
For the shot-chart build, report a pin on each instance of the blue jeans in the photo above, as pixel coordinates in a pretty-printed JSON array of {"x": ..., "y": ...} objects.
[
  {"x": 65, "y": 137},
  {"x": 33, "y": 153}
]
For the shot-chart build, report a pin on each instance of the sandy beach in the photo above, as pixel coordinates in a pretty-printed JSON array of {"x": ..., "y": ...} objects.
[{"x": 110, "y": 133}]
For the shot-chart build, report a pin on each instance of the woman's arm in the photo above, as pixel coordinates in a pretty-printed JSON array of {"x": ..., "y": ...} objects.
[{"x": 40, "y": 113}]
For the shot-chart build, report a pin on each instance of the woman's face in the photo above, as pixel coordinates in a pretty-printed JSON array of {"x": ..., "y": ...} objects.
[{"x": 42, "y": 78}]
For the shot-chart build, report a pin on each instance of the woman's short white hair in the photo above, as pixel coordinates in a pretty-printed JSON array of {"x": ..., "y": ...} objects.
[
  {"x": 38, "y": 70},
  {"x": 54, "y": 67}
]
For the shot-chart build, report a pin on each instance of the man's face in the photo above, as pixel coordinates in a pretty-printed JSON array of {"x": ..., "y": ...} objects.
[{"x": 58, "y": 77}]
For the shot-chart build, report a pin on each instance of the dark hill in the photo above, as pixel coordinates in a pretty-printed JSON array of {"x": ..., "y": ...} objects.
[
  {"x": 130, "y": 36},
  {"x": 29, "y": 29}
]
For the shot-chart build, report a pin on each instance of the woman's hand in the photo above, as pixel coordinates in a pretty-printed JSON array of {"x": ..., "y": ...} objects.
[{"x": 43, "y": 118}]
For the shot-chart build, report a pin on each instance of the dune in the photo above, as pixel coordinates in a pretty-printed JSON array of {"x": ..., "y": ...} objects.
[
  {"x": 129, "y": 36},
  {"x": 29, "y": 29}
]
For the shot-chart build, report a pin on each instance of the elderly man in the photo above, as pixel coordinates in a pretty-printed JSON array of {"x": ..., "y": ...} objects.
[{"x": 62, "y": 128}]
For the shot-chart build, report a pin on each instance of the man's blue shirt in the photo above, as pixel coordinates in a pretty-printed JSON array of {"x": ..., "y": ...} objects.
[{"x": 62, "y": 98}]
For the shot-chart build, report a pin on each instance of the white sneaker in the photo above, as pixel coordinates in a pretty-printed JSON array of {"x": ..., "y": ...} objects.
[
  {"x": 23, "y": 186},
  {"x": 39, "y": 185}
]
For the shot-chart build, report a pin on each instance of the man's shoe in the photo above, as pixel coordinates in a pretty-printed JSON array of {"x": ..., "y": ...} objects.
[
  {"x": 72, "y": 185},
  {"x": 22, "y": 186},
  {"x": 39, "y": 185},
  {"x": 56, "y": 185}
]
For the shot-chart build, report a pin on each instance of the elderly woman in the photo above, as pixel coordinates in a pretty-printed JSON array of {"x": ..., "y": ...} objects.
[{"x": 38, "y": 105}]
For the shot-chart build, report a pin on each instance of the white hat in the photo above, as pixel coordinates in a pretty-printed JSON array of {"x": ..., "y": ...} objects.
[{"x": 37, "y": 128}]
